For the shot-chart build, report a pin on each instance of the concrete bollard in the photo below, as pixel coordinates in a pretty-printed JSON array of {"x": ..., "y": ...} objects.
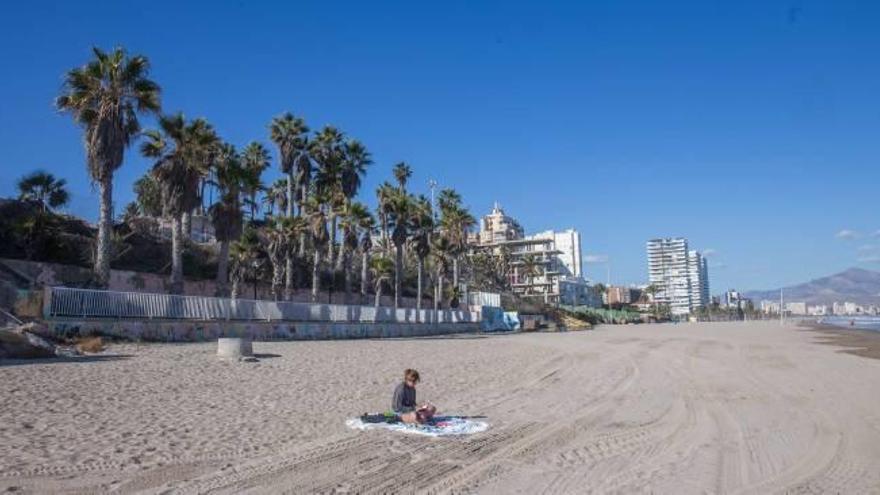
[{"x": 234, "y": 348}]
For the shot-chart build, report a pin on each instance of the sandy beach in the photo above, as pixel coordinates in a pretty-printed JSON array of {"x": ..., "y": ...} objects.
[{"x": 689, "y": 408}]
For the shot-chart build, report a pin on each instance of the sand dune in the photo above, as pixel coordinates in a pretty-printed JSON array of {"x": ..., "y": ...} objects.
[{"x": 721, "y": 408}]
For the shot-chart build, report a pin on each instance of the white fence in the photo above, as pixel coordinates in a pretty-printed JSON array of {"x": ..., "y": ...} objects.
[{"x": 65, "y": 302}]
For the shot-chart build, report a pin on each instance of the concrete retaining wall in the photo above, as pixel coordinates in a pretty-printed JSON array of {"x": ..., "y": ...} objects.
[{"x": 200, "y": 331}]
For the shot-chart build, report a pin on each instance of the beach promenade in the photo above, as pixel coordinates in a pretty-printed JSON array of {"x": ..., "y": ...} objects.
[{"x": 688, "y": 408}]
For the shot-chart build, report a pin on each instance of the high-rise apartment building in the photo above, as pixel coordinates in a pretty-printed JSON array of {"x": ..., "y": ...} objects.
[
  {"x": 680, "y": 275},
  {"x": 698, "y": 273},
  {"x": 668, "y": 273}
]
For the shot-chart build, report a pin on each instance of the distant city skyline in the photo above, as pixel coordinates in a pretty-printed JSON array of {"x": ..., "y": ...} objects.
[{"x": 744, "y": 128}]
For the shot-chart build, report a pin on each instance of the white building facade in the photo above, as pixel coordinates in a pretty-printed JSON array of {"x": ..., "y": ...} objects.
[
  {"x": 680, "y": 275},
  {"x": 546, "y": 266},
  {"x": 668, "y": 272},
  {"x": 698, "y": 273},
  {"x": 568, "y": 245}
]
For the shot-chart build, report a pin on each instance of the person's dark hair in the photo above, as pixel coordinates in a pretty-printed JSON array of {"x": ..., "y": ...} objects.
[{"x": 411, "y": 374}]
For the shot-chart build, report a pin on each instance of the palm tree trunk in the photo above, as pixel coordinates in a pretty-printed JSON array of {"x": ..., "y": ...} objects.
[
  {"x": 455, "y": 271},
  {"x": 316, "y": 280},
  {"x": 331, "y": 246},
  {"x": 233, "y": 294},
  {"x": 288, "y": 261},
  {"x": 398, "y": 273},
  {"x": 436, "y": 297},
  {"x": 105, "y": 232},
  {"x": 302, "y": 237},
  {"x": 419, "y": 285},
  {"x": 340, "y": 258},
  {"x": 177, "y": 255},
  {"x": 385, "y": 238},
  {"x": 187, "y": 225},
  {"x": 346, "y": 268},
  {"x": 365, "y": 273},
  {"x": 290, "y": 188},
  {"x": 288, "y": 277},
  {"x": 223, "y": 269},
  {"x": 277, "y": 277},
  {"x": 378, "y": 293}
]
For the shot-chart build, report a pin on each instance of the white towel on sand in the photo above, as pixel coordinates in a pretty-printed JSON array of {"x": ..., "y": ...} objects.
[{"x": 440, "y": 427}]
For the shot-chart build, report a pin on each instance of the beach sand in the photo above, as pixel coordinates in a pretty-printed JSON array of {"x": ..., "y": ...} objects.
[{"x": 688, "y": 408}]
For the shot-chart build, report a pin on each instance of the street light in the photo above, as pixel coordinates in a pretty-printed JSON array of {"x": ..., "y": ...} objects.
[{"x": 433, "y": 185}]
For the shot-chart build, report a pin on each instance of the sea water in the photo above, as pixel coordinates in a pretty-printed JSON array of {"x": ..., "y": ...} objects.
[{"x": 857, "y": 322}]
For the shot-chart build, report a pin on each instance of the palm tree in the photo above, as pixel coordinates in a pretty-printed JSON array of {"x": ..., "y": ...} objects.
[
  {"x": 289, "y": 134},
  {"x": 441, "y": 251},
  {"x": 456, "y": 221},
  {"x": 317, "y": 222},
  {"x": 254, "y": 160},
  {"x": 105, "y": 97},
  {"x": 328, "y": 151},
  {"x": 303, "y": 167},
  {"x": 382, "y": 269},
  {"x": 276, "y": 196},
  {"x": 43, "y": 188},
  {"x": 399, "y": 209},
  {"x": 354, "y": 216},
  {"x": 245, "y": 260},
  {"x": 354, "y": 167},
  {"x": 384, "y": 193},
  {"x": 653, "y": 289},
  {"x": 530, "y": 270},
  {"x": 182, "y": 152},
  {"x": 402, "y": 173},
  {"x": 367, "y": 225},
  {"x": 422, "y": 220},
  {"x": 282, "y": 234},
  {"x": 226, "y": 214},
  {"x": 148, "y": 196}
]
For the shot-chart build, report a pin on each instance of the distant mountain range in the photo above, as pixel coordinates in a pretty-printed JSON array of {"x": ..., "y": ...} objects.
[{"x": 853, "y": 285}]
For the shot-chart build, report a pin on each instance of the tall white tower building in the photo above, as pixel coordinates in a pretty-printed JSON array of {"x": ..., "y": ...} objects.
[
  {"x": 698, "y": 273},
  {"x": 668, "y": 272}
]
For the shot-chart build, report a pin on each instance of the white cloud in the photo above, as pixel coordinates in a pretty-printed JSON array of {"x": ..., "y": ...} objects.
[
  {"x": 596, "y": 258},
  {"x": 867, "y": 247},
  {"x": 874, "y": 258},
  {"x": 717, "y": 265},
  {"x": 708, "y": 253},
  {"x": 847, "y": 234}
]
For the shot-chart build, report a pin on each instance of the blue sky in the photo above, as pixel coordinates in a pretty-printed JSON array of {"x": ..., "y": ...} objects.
[{"x": 749, "y": 127}]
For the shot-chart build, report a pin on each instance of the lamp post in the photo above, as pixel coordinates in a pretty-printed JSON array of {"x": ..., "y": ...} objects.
[{"x": 433, "y": 185}]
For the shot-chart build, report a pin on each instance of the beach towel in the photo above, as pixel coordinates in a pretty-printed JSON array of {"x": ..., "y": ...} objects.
[{"x": 439, "y": 426}]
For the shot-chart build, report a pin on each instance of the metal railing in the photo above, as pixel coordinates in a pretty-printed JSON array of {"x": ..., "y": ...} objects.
[{"x": 66, "y": 302}]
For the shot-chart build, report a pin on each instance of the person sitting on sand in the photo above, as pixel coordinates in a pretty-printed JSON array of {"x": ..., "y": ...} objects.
[{"x": 403, "y": 403}]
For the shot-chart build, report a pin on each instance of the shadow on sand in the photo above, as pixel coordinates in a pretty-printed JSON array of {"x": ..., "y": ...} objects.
[{"x": 65, "y": 360}]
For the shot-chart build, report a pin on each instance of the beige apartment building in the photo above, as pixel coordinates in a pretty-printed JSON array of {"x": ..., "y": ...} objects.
[{"x": 545, "y": 266}]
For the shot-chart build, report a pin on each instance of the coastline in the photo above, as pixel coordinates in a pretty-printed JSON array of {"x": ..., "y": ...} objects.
[{"x": 864, "y": 343}]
